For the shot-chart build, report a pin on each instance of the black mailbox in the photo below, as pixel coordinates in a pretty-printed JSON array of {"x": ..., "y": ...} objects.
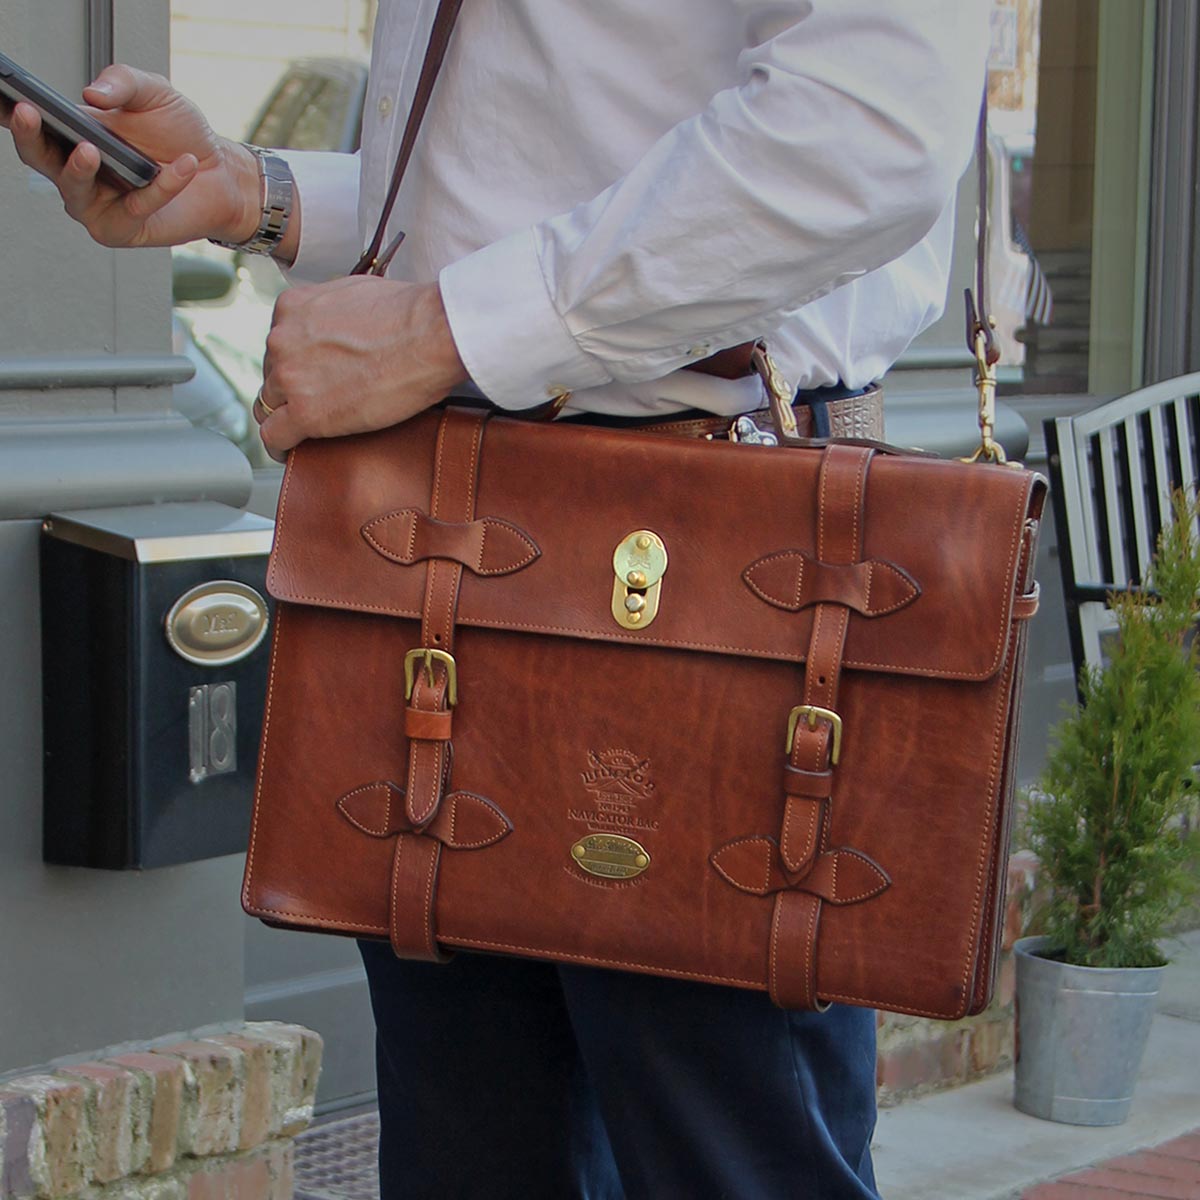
[{"x": 154, "y": 653}]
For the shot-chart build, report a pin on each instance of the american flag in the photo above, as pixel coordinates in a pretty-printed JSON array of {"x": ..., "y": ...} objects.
[{"x": 1039, "y": 300}]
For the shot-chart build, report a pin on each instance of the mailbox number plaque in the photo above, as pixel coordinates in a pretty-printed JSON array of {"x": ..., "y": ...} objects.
[{"x": 212, "y": 730}]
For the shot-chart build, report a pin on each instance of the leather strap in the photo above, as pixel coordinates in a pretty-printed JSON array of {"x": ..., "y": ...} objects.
[
  {"x": 977, "y": 305},
  {"x": 375, "y": 260},
  {"x": 859, "y": 417},
  {"x": 415, "y": 862},
  {"x": 792, "y": 964},
  {"x": 456, "y": 471},
  {"x": 429, "y": 719},
  {"x": 809, "y": 782}
]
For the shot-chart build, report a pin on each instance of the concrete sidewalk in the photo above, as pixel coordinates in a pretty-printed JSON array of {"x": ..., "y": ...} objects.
[
  {"x": 965, "y": 1144},
  {"x": 971, "y": 1144}
]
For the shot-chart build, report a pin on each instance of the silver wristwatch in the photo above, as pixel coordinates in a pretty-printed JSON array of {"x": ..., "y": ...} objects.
[{"x": 278, "y": 198}]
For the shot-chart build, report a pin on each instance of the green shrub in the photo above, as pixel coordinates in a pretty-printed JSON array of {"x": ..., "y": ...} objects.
[{"x": 1120, "y": 775}]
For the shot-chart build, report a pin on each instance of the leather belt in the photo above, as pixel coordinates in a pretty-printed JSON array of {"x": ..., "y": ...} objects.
[{"x": 859, "y": 416}]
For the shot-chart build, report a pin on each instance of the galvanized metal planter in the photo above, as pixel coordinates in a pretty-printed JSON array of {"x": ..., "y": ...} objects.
[{"x": 1081, "y": 1034}]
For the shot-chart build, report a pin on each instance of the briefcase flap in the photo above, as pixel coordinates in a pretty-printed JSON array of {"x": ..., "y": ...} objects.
[{"x": 739, "y": 525}]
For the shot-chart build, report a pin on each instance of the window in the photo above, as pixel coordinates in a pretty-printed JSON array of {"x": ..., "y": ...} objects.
[{"x": 1069, "y": 92}]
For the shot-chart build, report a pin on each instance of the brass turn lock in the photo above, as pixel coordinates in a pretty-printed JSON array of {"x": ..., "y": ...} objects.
[{"x": 639, "y": 563}]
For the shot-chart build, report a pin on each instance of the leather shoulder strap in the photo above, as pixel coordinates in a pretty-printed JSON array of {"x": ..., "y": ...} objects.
[
  {"x": 977, "y": 303},
  {"x": 373, "y": 262}
]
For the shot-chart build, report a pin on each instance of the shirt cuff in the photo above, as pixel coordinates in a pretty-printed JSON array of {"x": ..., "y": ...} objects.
[
  {"x": 511, "y": 338},
  {"x": 327, "y": 185}
]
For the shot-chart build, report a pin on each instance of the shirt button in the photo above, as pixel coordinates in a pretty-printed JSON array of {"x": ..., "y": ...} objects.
[
  {"x": 385, "y": 107},
  {"x": 701, "y": 351}
]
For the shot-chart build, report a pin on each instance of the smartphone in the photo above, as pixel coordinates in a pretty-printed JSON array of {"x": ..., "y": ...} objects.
[{"x": 69, "y": 125}]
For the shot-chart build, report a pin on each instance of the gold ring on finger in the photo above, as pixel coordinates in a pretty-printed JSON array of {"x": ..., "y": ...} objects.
[{"x": 263, "y": 404}]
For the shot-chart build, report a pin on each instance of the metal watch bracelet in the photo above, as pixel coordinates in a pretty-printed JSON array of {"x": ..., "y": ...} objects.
[{"x": 278, "y": 197}]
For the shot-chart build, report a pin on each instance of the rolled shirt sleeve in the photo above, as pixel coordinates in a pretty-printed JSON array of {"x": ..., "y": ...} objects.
[
  {"x": 529, "y": 354},
  {"x": 835, "y": 156},
  {"x": 327, "y": 184}
]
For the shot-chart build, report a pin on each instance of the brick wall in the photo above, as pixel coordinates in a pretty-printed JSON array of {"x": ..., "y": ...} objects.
[
  {"x": 917, "y": 1056},
  {"x": 210, "y": 1119}
]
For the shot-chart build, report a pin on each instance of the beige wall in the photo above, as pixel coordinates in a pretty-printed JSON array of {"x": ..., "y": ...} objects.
[
  {"x": 226, "y": 54},
  {"x": 1064, "y": 161}
]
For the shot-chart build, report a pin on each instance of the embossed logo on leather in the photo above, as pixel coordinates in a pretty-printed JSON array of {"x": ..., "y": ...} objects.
[
  {"x": 619, "y": 770},
  {"x": 619, "y": 790}
]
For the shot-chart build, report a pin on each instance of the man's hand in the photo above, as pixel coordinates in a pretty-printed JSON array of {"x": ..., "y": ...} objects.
[
  {"x": 207, "y": 187},
  {"x": 353, "y": 356}
]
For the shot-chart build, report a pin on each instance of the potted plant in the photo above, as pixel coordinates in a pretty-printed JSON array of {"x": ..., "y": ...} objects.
[{"x": 1105, "y": 823}]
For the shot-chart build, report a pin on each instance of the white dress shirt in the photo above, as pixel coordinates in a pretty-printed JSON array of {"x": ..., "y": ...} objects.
[{"x": 609, "y": 190}]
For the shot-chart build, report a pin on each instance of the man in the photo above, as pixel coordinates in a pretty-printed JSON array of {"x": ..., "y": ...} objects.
[{"x": 604, "y": 192}]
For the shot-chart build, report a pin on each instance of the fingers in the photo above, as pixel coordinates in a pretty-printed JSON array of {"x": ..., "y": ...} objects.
[
  {"x": 77, "y": 181},
  {"x": 125, "y": 87},
  {"x": 167, "y": 184},
  {"x": 33, "y": 148},
  {"x": 279, "y": 433},
  {"x": 285, "y": 304}
]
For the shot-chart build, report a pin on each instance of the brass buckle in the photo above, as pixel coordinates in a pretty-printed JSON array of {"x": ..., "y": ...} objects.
[
  {"x": 428, "y": 657},
  {"x": 988, "y": 450},
  {"x": 814, "y": 713},
  {"x": 779, "y": 395}
]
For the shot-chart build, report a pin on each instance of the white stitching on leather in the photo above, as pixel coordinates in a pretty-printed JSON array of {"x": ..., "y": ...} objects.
[
  {"x": 258, "y": 783},
  {"x": 395, "y": 888},
  {"x": 431, "y": 872},
  {"x": 507, "y": 568},
  {"x": 715, "y": 857},
  {"x": 926, "y": 670},
  {"x": 774, "y": 955},
  {"x": 387, "y": 818},
  {"x": 505, "y": 826},
  {"x": 809, "y": 982}
]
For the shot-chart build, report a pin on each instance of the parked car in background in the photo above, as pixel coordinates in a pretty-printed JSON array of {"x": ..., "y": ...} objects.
[{"x": 223, "y": 300}]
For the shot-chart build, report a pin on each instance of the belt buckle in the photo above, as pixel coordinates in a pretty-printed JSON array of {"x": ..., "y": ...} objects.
[
  {"x": 428, "y": 656},
  {"x": 814, "y": 713},
  {"x": 744, "y": 432}
]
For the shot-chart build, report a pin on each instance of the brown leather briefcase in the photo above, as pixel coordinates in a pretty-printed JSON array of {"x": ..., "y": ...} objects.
[
  {"x": 730, "y": 713},
  {"x": 743, "y": 714}
]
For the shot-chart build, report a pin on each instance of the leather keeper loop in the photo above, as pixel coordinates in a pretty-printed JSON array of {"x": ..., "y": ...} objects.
[
  {"x": 428, "y": 726},
  {"x": 486, "y": 546},
  {"x": 793, "y": 580},
  {"x": 1026, "y": 606},
  {"x": 807, "y": 785}
]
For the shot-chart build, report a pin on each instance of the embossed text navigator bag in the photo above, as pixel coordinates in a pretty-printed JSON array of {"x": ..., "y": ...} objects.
[{"x": 742, "y": 714}]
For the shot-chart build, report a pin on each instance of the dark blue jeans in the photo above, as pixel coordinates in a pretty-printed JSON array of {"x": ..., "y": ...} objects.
[{"x": 508, "y": 1080}]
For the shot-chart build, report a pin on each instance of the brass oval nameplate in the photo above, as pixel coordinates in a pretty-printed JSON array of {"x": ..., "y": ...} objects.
[
  {"x": 610, "y": 856},
  {"x": 217, "y": 623}
]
